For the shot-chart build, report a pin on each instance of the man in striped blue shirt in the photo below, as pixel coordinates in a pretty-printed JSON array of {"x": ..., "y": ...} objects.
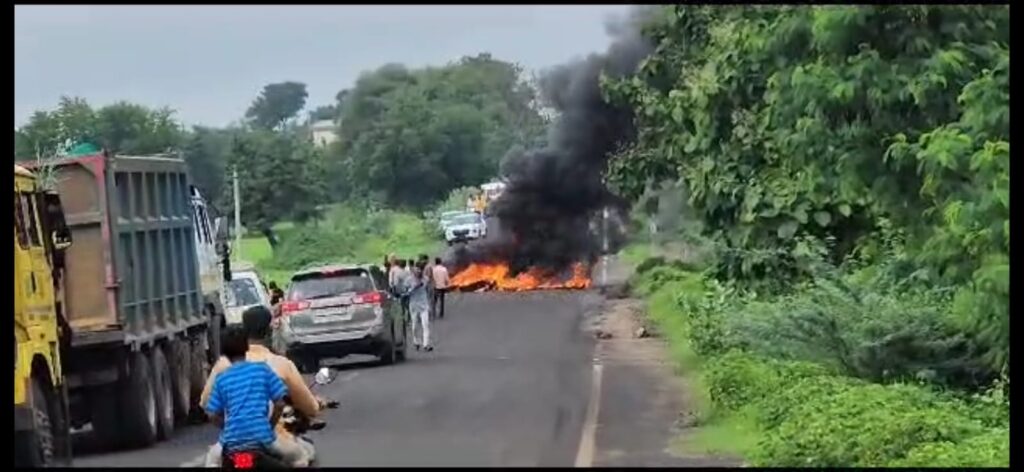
[{"x": 241, "y": 399}]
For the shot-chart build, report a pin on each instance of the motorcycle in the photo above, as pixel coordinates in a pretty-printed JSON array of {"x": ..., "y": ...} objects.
[{"x": 295, "y": 422}]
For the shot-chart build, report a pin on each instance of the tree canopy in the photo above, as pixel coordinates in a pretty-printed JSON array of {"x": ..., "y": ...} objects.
[
  {"x": 276, "y": 104},
  {"x": 841, "y": 123},
  {"x": 120, "y": 127},
  {"x": 407, "y": 137}
]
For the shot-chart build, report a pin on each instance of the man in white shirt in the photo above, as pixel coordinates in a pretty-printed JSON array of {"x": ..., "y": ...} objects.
[{"x": 441, "y": 282}]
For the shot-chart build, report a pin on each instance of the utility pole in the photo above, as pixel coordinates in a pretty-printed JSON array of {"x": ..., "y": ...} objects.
[
  {"x": 238, "y": 213},
  {"x": 604, "y": 247}
]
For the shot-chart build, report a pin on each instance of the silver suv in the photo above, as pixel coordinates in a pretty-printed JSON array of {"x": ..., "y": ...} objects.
[{"x": 336, "y": 310}]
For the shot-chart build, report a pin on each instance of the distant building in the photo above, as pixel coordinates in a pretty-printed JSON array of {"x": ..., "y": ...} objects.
[{"x": 324, "y": 132}]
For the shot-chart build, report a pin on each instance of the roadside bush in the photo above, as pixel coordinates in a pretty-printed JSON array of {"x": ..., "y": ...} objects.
[
  {"x": 658, "y": 276},
  {"x": 866, "y": 328},
  {"x": 708, "y": 317},
  {"x": 650, "y": 263},
  {"x": 738, "y": 379},
  {"x": 989, "y": 449},
  {"x": 309, "y": 245},
  {"x": 863, "y": 426},
  {"x": 777, "y": 408}
]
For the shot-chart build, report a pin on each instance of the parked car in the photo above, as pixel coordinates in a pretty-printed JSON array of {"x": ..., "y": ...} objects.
[
  {"x": 465, "y": 227},
  {"x": 245, "y": 290},
  {"x": 337, "y": 310},
  {"x": 445, "y": 219}
]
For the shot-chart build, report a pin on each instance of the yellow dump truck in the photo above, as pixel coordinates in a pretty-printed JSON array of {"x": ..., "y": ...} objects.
[{"x": 41, "y": 415}]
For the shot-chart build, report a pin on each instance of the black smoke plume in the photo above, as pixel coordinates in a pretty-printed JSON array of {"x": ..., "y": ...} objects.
[{"x": 549, "y": 214}]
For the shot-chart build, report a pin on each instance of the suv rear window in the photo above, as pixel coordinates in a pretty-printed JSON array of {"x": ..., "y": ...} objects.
[{"x": 325, "y": 285}]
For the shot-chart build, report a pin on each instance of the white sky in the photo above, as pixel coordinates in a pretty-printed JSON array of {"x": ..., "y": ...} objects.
[{"x": 209, "y": 62}]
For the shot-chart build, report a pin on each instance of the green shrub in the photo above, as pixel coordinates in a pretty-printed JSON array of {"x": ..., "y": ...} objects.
[
  {"x": 777, "y": 408},
  {"x": 658, "y": 276},
  {"x": 736, "y": 379},
  {"x": 650, "y": 263},
  {"x": 309, "y": 245},
  {"x": 863, "y": 426},
  {"x": 989, "y": 449},
  {"x": 863, "y": 326},
  {"x": 708, "y": 318}
]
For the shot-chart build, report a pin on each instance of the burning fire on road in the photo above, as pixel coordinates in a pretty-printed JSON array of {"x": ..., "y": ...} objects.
[{"x": 496, "y": 276}]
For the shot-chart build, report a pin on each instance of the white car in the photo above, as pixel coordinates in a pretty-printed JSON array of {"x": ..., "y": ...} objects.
[
  {"x": 446, "y": 218},
  {"x": 465, "y": 227},
  {"x": 245, "y": 290}
]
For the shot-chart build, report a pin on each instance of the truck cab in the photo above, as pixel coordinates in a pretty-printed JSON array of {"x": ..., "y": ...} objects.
[
  {"x": 41, "y": 419},
  {"x": 212, "y": 257}
]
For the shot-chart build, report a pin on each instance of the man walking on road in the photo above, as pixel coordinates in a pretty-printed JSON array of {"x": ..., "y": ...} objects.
[
  {"x": 441, "y": 281},
  {"x": 419, "y": 307}
]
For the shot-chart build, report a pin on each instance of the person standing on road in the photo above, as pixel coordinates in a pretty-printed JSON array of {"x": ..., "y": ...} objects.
[
  {"x": 428, "y": 274},
  {"x": 441, "y": 282},
  {"x": 419, "y": 307},
  {"x": 392, "y": 273},
  {"x": 276, "y": 294},
  {"x": 404, "y": 284}
]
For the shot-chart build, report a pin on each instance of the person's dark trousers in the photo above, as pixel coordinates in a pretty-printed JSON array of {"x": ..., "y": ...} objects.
[
  {"x": 439, "y": 301},
  {"x": 405, "y": 307}
]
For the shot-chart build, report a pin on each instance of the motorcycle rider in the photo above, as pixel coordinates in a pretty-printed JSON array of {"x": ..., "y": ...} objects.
[
  {"x": 256, "y": 323},
  {"x": 241, "y": 400}
]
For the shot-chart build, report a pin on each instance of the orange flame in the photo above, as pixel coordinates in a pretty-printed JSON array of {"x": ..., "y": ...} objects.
[{"x": 496, "y": 277}]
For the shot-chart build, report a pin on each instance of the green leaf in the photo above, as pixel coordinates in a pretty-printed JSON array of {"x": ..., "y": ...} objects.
[
  {"x": 823, "y": 218},
  {"x": 788, "y": 229},
  {"x": 845, "y": 210},
  {"x": 801, "y": 215},
  {"x": 677, "y": 114}
]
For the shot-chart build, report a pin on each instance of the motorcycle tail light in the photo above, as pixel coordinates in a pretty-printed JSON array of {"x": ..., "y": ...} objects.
[{"x": 243, "y": 460}]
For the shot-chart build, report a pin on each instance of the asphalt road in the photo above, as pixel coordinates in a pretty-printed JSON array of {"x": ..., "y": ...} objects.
[{"x": 508, "y": 385}]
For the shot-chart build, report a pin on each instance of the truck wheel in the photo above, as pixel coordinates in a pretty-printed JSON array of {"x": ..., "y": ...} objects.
[
  {"x": 213, "y": 331},
  {"x": 197, "y": 370},
  {"x": 164, "y": 392},
  {"x": 181, "y": 363},
  {"x": 140, "y": 410},
  {"x": 42, "y": 444},
  {"x": 105, "y": 416}
]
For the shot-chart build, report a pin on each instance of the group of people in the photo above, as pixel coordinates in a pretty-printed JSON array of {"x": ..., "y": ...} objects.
[{"x": 421, "y": 287}]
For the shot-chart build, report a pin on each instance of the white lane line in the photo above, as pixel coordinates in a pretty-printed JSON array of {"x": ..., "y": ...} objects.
[{"x": 585, "y": 453}]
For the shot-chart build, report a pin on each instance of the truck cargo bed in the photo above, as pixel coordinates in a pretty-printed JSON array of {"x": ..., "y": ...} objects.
[{"x": 131, "y": 274}]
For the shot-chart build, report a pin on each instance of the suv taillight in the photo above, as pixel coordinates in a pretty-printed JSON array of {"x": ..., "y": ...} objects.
[
  {"x": 288, "y": 308},
  {"x": 369, "y": 297}
]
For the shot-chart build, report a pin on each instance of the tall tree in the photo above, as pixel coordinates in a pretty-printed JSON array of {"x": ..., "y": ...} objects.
[
  {"x": 276, "y": 104},
  {"x": 410, "y": 136},
  {"x": 277, "y": 178}
]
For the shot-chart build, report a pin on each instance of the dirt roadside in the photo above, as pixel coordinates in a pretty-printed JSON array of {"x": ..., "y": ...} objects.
[{"x": 646, "y": 407}]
